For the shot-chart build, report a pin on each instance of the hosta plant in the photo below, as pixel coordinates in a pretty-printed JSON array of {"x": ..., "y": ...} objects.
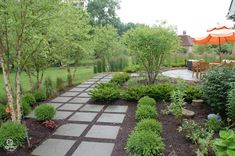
[{"x": 225, "y": 145}]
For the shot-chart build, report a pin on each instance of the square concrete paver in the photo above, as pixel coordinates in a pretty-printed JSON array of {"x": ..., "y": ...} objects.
[
  {"x": 83, "y": 86},
  {"x": 116, "y": 108},
  {"x": 61, "y": 99},
  {"x": 70, "y": 94},
  {"x": 103, "y": 132},
  {"x": 82, "y": 116},
  {"x": 94, "y": 149},
  {"x": 74, "y": 130},
  {"x": 71, "y": 107},
  {"x": 80, "y": 100},
  {"x": 88, "y": 90},
  {"x": 60, "y": 115},
  {"x": 77, "y": 89},
  {"x": 93, "y": 80},
  {"x": 86, "y": 95},
  {"x": 111, "y": 118},
  {"x": 55, "y": 105},
  {"x": 88, "y": 83},
  {"x": 57, "y": 147},
  {"x": 92, "y": 108}
]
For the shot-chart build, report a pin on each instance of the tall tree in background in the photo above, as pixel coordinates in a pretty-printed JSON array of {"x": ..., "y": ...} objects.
[{"x": 103, "y": 12}]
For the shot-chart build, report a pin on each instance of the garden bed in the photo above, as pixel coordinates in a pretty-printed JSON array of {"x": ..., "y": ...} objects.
[{"x": 174, "y": 140}]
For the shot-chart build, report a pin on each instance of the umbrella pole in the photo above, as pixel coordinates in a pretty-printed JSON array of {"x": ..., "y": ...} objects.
[{"x": 220, "y": 51}]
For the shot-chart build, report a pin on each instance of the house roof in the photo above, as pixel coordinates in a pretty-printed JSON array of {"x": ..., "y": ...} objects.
[
  {"x": 186, "y": 40},
  {"x": 231, "y": 12}
]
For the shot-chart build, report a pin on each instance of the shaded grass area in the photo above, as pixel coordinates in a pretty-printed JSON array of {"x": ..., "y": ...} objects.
[{"x": 82, "y": 74}]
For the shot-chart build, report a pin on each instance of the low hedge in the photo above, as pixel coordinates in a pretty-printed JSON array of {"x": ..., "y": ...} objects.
[
  {"x": 149, "y": 125},
  {"x": 146, "y": 101},
  {"x": 120, "y": 78}
]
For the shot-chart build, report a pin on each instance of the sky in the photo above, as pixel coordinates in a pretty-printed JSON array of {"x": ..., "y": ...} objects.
[{"x": 193, "y": 16}]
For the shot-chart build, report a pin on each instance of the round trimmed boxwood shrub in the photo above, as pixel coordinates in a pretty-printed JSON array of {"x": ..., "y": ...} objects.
[
  {"x": 25, "y": 108},
  {"x": 146, "y": 112},
  {"x": 146, "y": 101},
  {"x": 44, "y": 112},
  {"x": 144, "y": 143},
  {"x": 216, "y": 85},
  {"x": 29, "y": 98},
  {"x": 3, "y": 113},
  {"x": 14, "y": 131},
  {"x": 105, "y": 92},
  {"x": 149, "y": 125},
  {"x": 40, "y": 95}
]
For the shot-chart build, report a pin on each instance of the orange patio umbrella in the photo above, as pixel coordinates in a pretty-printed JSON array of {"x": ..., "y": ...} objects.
[{"x": 217, "y": 35}]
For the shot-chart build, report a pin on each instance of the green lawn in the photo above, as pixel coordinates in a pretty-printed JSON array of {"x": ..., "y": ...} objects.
[{"x": 82, "y": 74}]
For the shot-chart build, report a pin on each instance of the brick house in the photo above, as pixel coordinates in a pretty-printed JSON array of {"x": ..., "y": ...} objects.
[{"x": 186, "y": 42}]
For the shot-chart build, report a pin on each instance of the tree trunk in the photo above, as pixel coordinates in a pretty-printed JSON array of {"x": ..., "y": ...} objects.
[
  {"x": 8, "y": 88},
  {"x": 18, "y": 88},
  {"x": 30, "y": 78}
]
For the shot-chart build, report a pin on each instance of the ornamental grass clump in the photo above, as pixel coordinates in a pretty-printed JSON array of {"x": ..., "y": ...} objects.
[
  {"x": 149, "y": 125},
  {"x": 14, "y": 131},
  {"x": 146, "y": 112},
  {"x": 147, "y": 101},
  {"x": 144, "y": 143},
  {"x": 44, "y": 112}
]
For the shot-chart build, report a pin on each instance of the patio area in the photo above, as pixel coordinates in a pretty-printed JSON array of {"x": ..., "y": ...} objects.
[{"x": 184, "y": 74}]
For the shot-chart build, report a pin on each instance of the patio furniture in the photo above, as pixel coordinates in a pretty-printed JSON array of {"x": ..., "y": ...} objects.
[
  {"x": 190, "y": 63},
  {"x": 199, "y": 68}
]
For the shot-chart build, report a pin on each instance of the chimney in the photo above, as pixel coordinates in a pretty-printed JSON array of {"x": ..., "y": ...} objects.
[{"x": 184, "y": 32}]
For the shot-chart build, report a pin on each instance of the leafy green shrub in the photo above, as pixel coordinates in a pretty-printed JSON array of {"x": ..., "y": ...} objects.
[
  {"x": 177, "y": 104},
  {"x": 192, "y": 130},
  {"x": 28, "y": 98},
  {"x": 44, "y": 112},
  {"x": 216, "y": 87},
  {"x": 3, "y": 113},
  {"x": 120, "y": 78},
  {"x": 225, "y": 145},
  {"x": 149, "y": 125},
  {"x": 231, "y": 103},
  {"x": 144, "y": 143},
  {"x": 213, "y": 124},
  {"x": 48, "y": 84},
  {"x": 134, "y": 93},
  {"x": 146, "y": 101},
  {"x": 40, "y": 95},
  {"x": 25, "y": 108},
  {"x": 14, "y": 131},
  {"x": 59, "y": 84},
  {"x": 192, "y": 92},
  {"x": 132, "y": 69},
  {"x": 145, "y": 112},
  {"x": 161, "y": 91},
  {"x": 105, "y": 92}
]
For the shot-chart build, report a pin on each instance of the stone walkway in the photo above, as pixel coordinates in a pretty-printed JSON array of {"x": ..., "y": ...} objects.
[
  {"x": 184, "y": 74},
  {"x": 88, "y": 129}
]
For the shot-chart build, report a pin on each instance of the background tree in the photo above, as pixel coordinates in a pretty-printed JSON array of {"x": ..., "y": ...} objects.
[
  {"x": 70, "y": 37},
  {"x": 149, "y": 45}
]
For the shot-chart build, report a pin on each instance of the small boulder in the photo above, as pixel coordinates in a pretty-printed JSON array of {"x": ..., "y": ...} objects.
[
  {"x": 188, "y": 113},
  {"x": 197, "y": 103}
]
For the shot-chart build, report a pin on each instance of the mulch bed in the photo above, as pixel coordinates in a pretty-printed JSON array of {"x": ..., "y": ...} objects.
[{"x": 175, "y": 142}]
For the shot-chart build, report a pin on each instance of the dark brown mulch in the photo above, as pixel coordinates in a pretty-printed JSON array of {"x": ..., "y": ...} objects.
[{"x": 174, "y": 140}]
